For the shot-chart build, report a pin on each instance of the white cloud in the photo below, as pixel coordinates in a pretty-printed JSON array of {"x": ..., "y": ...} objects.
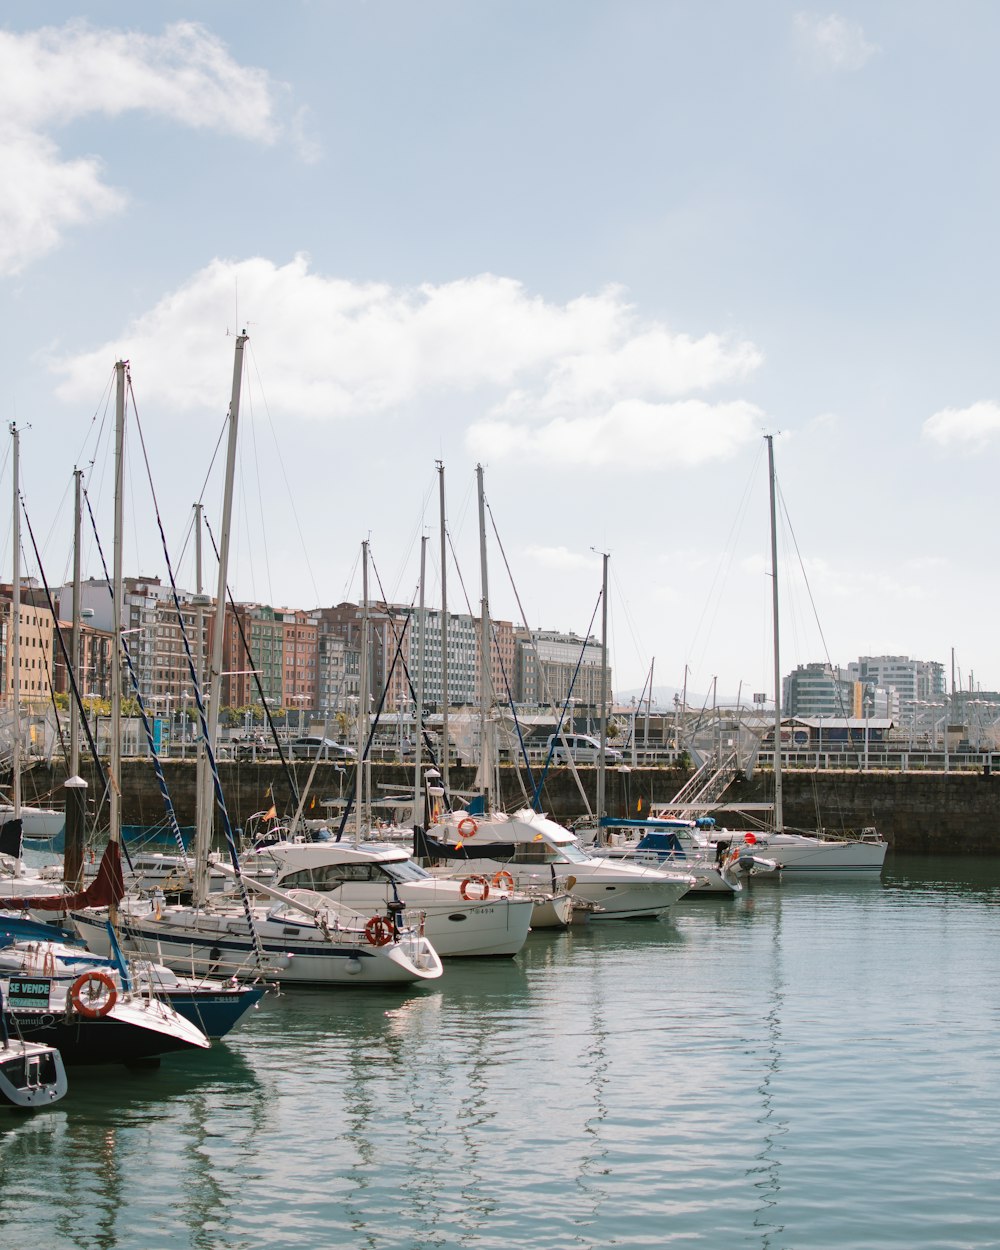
[
  {"x": 588, "y": 382},
  {"x": 834, "y": 42},
  {"x": 971, "y": 428},
  {"x": 631, "y": 434},
  {"x": 55, "y": 75},
  {"x": 561, "y": 559}
]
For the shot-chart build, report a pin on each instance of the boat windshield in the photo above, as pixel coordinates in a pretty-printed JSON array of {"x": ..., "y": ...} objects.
[
  {"x": 405, "y": 870},
  {"x": 572, "y": 853}
]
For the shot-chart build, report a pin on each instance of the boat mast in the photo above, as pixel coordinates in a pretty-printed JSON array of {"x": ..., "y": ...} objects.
[
  {"x": 15, "y": 635},
  {"x": 214, "y": 691},
  {"x": 445, "y": 751},
  {"x": 74, "y": 638},
  {"x": 487, "y": 756},
  {"x": 602, "y": 758},
  {"x": 778, "y": 812},
  {"x": 363, "y": 709},
  {"x": 115, "y": 814},
  {"x": 75, "y": 785},
  {"x": 203, "y": 791},
  {"x": 418, "y": 746}
]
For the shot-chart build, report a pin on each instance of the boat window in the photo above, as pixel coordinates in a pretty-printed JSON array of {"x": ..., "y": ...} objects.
[
  {"x": 329, "y": 876},
  {"x": 534, "y": 853},
  {"x": 567, "y": 851},
  {"x": 405, "y": 870}
]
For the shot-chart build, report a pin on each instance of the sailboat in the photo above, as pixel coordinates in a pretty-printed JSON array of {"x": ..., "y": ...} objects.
[
  {"x": 527, "y": 848},
  {"x": 16, "y": 878},
  {"x": 800, "y": 855},
  {"x": 297, "y": 936}
]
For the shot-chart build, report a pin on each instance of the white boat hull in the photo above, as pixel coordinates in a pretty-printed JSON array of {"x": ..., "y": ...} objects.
[
  {"x": 36, "y": 822},
  {"x": 803, "y": 857},
  {"x": 298, "y": 953}
]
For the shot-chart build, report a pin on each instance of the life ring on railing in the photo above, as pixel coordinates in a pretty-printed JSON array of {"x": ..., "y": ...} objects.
[
  {"x": 378, "y": 931},
  {"x": 467, "y": 827},
  {"x": 502, "y": 880},
  {"x": 90, "y": 1010},
  {"x": 475, "y": 881},
  {"x": 750, "y": 839}
]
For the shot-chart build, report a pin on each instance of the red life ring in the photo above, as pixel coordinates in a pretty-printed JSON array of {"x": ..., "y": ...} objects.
[
  {"x": 750, "y": 839},
  {"x": 475, "y": 881},
  {"x": 467, "y": 827},
  {"x": 378, "y": 931},
  {"x": 502, "y": 880},
  {"x": 87, "y": 1009}
]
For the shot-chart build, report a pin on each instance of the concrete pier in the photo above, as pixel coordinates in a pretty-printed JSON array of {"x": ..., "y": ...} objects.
[{"x": 927, "y": 812}]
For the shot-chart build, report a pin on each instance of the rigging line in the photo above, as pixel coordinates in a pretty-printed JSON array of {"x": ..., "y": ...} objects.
[
  {"x": 186, "y": 537},
  {"x": 161, "y": 780},
  {"x": 812, "y": 601},
  {"x": 458, "y": 571},
  {"x": 640, "y": 651},
  {"x": 352, "y": 577},
  {"x": 562, "y": 713},
  {"x": 74, "y": 686},
  {"x": 517, "y": 723},
  {"x": 260, "y": 500},
  {"x": 284, "y": 474},
  {"x": 371, "y": 735},
  {"x": 285, "y": 766},
  {"x": 220, "y": 798},
  {"x": 546, "y": 688},
  {"x": 48, "y": 664},
  {"x": 421, "y": 728},
  {"x": 106, "y": 401},
  {"x": 713, "y": 599},
  {"x": 204, "y": 485}
]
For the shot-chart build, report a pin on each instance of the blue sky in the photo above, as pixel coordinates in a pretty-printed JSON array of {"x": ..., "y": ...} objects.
[{"x": 601, "y": 248}]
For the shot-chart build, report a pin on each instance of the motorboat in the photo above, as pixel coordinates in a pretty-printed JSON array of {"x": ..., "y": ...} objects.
[
  {"x": 367, "y": 877},
  {"x": 540, "y": 854},
  {"x": 31, "y": 1075},
  {"x": 677, "y": 844}
]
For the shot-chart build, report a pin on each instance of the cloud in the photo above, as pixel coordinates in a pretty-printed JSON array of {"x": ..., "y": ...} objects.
[
  {"x": 561, "y": 559},
  {"x": 833, "y": 42},
  {"x": 632, "y": 434},
  {"x": 971, "y": 428},
  {"x": 588, "y": 382},
  {"x": 55, "y": 75}
]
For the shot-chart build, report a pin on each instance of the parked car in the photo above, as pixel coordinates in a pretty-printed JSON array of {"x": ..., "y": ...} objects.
[
  {"x": 582, "y": 749},
  {"x": 325, "y": 748}
]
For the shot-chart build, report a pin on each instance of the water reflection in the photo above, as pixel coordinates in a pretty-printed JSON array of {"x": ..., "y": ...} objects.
[
  {"x": 90, "y": 1148},
  {"x": 766, "y": 1174}
]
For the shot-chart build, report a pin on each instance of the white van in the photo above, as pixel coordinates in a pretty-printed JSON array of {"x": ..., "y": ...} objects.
[{"x": 580, "y": 748}]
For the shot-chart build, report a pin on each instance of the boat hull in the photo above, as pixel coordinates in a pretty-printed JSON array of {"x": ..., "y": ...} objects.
[
  {"x": 801, "y": 857},
  {"x": 133, "y": 1031},
  {"x": 31, "y": 1075},
  {"x": 295, "y": 954}
]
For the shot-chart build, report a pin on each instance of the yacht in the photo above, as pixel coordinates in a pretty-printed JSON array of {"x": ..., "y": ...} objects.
[
  {"x": 540, "y": 854},
  {"x": 371, "y": 876}
]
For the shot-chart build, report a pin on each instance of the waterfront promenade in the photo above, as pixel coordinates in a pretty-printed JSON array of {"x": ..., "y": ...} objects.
[{"x": 918, "y": 811}]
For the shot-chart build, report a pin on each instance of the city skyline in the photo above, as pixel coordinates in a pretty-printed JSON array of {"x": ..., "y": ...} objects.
[{"x": 600, "y": 249}]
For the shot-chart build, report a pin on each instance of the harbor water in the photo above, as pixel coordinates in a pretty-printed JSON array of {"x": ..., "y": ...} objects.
[{"x": 806, "y": 1066}]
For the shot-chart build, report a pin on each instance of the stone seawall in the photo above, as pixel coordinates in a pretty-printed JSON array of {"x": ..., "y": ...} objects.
[{"x": 932, "y": 812}]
